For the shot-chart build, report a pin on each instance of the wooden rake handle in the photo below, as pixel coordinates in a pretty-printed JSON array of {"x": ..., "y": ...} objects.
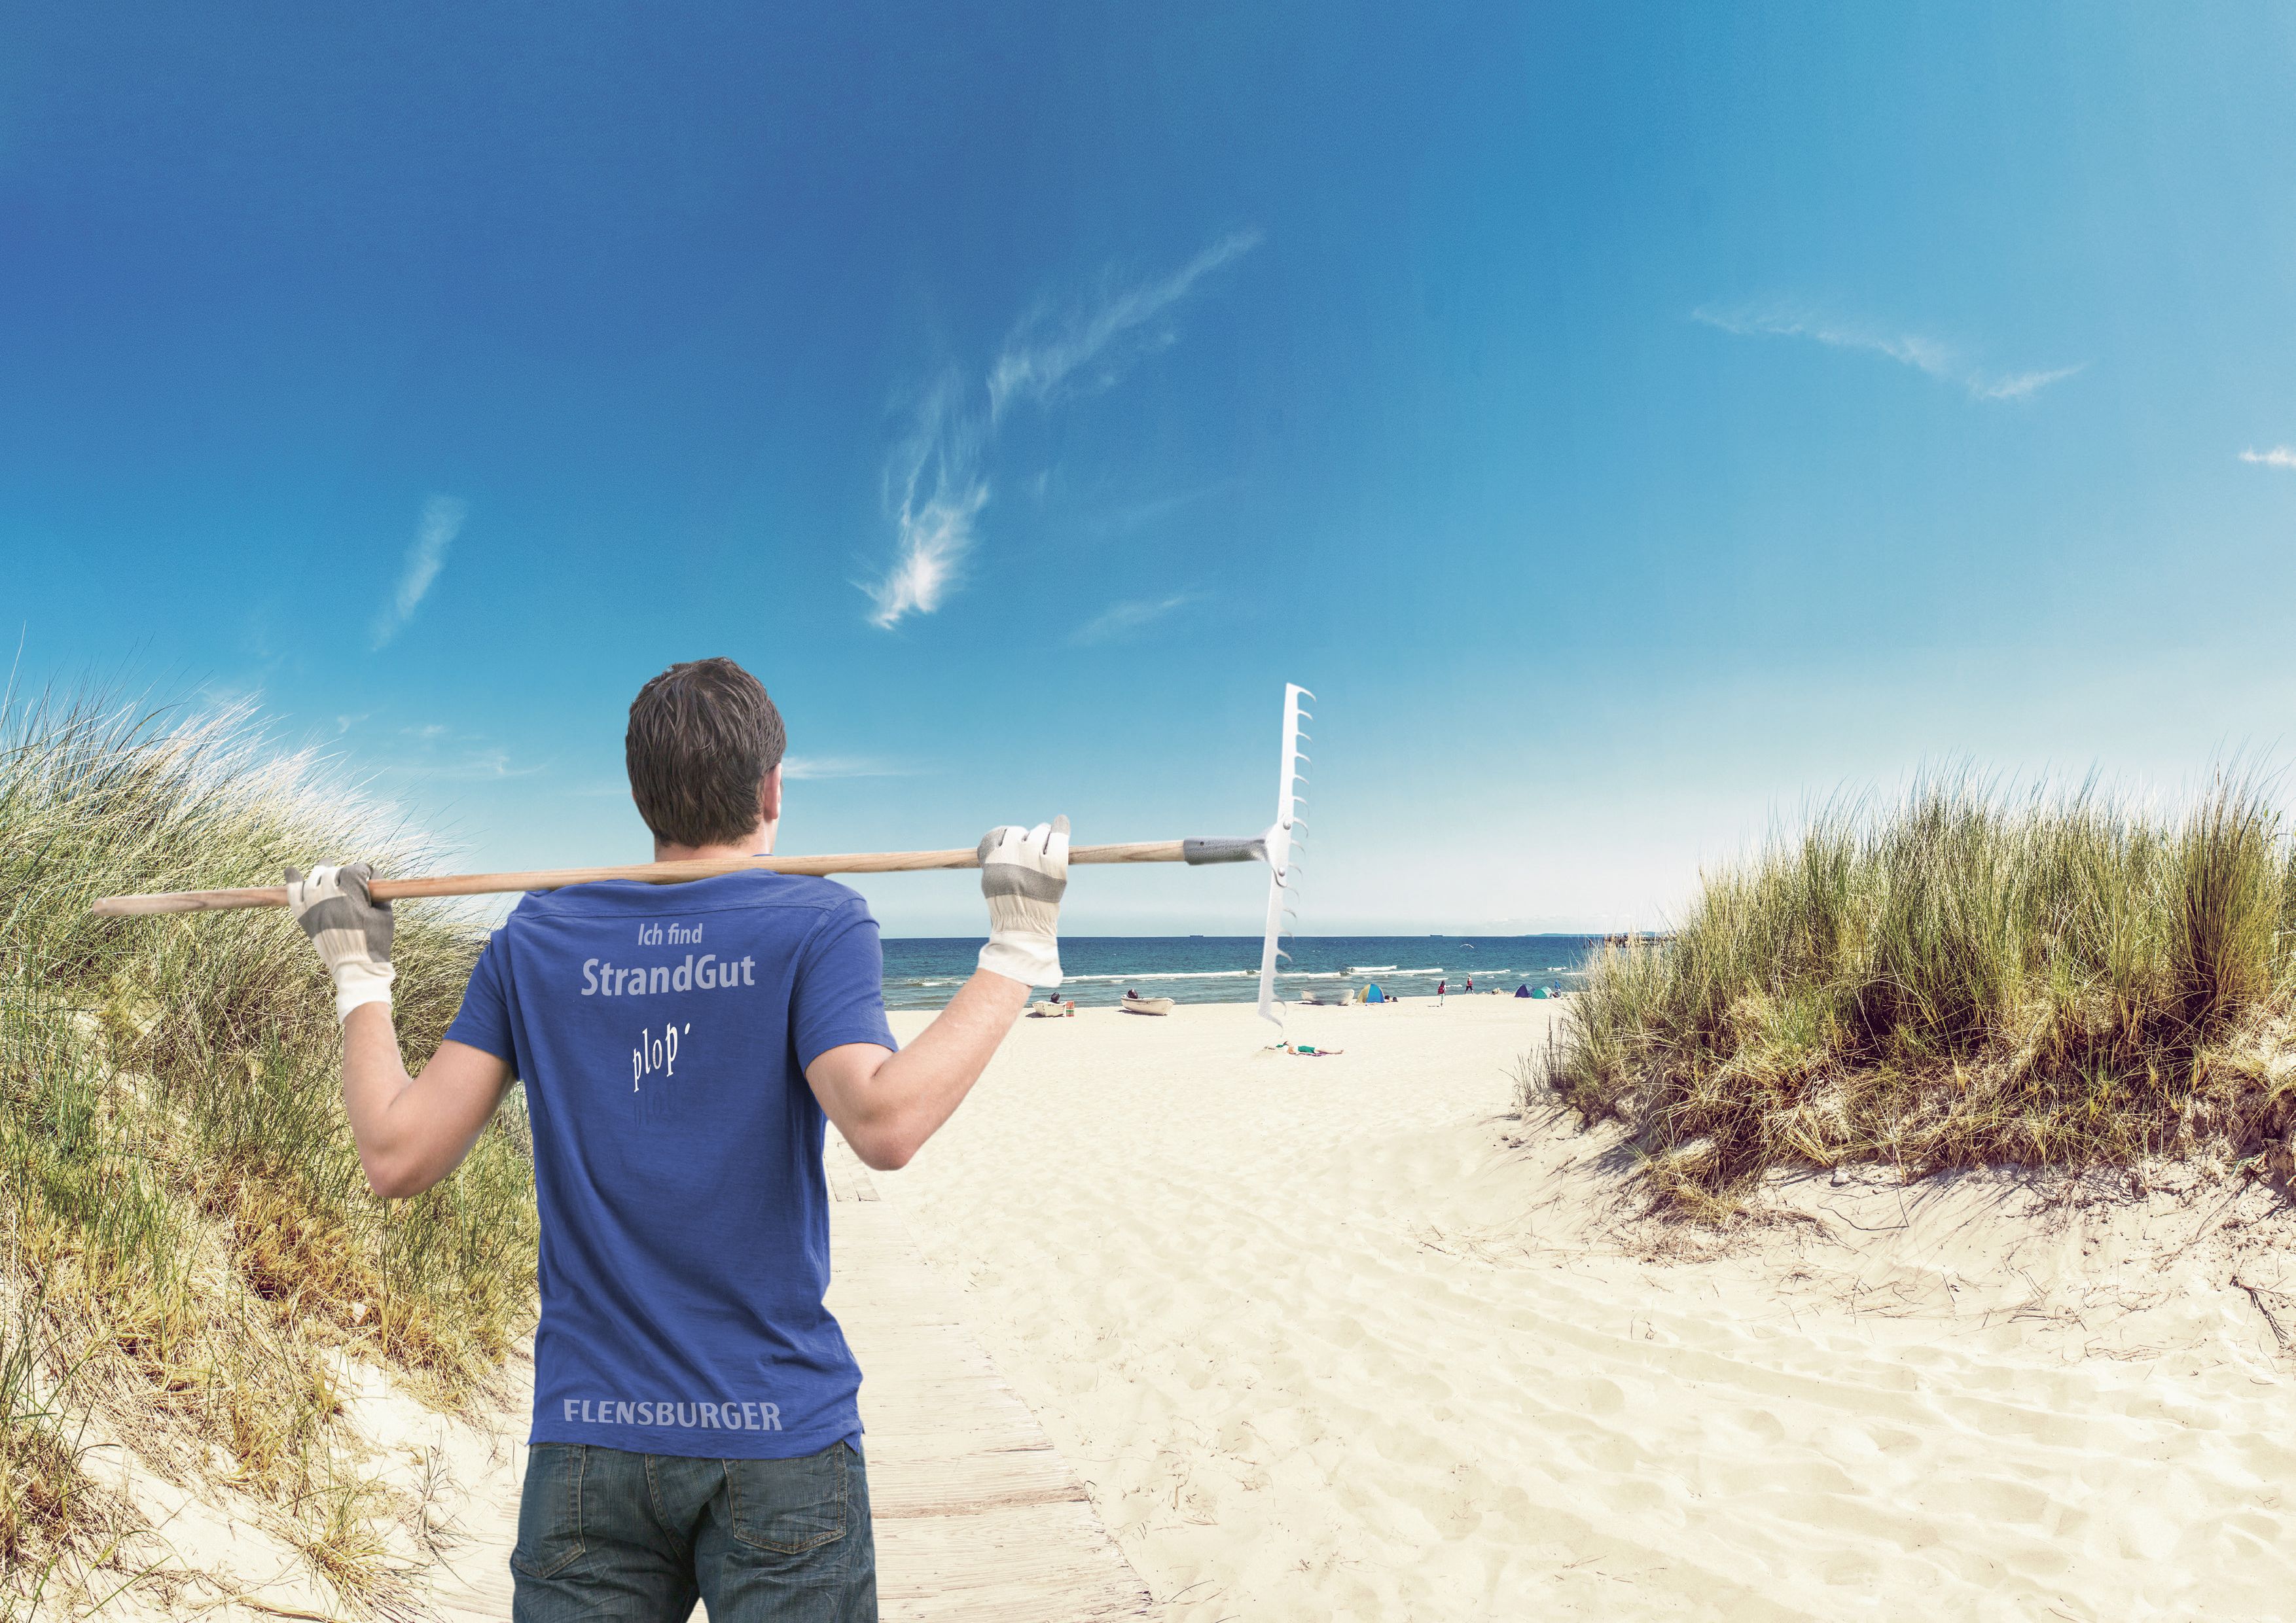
[{"x": 663, "y": 873}]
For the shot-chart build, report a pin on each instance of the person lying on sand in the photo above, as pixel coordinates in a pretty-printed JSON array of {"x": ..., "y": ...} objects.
[{"x": 695, "y": 1432}]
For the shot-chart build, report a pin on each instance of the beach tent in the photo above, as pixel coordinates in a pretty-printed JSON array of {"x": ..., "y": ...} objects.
[
  {"x": 1523, "y": 991},
  {"x": 1372, "y": 994}
]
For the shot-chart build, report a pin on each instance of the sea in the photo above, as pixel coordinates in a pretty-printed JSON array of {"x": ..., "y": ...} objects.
[{"x": 924, "y": 972}]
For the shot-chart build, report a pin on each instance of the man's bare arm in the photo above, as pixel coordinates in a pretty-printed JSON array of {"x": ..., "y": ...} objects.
[
  {"x": 413, "y": 1131},
  {"x": 886, "y": 1104}
]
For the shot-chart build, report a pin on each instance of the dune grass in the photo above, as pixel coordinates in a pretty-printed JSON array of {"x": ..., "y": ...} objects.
[
  {"x": 187, "y": 1245},
  {"x": 1964, "y": 977}
]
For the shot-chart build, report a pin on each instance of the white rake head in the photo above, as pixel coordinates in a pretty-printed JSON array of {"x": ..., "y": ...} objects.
[{"x": 1284, "y": 836}]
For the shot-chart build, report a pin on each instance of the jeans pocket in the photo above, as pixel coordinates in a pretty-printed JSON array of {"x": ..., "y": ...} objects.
[
  {"x": 550, "y": 1510},
  {"x": 788, "y": 1506}
]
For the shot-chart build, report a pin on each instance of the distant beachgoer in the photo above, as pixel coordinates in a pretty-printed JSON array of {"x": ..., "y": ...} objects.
[{"x": 1470, "y": 983}]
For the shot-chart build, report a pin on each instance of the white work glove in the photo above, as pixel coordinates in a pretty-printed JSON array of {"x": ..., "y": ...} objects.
[
  {"x": 350, "y": 930},
  {"x": 1022, "y": 873}
]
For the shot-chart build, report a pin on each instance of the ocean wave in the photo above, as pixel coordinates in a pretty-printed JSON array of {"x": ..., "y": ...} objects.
[
  {"x": 917, "y": 983},
  {"x": 1213, "y": 975}
]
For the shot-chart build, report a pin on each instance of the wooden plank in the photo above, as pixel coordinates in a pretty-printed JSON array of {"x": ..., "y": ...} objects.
[
  {"x": 1016, "y": 1563},
  {"x": 978, "y": 1518}
]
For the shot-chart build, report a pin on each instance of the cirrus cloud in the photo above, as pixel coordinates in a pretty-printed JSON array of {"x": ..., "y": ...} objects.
[
  {"x": 1121, "y": 619},
  {"x": 935, "y": 483},
  {"x": 1934, "y": 358},
  {"x": 441, "y": 522}
]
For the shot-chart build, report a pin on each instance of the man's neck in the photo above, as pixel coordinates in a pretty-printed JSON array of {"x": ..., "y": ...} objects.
[{"x": 757, "y": 842}]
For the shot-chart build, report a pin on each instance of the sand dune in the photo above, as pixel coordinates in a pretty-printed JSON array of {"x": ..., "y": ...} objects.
[{"x": 1335, "y": 1337}]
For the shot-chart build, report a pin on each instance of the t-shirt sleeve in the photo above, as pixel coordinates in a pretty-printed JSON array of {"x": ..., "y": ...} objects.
[
  {"x": 840, "y": 995},
  {"x": 483, "y": 1021}
]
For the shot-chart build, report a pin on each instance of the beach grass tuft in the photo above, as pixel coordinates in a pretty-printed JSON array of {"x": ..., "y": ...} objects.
[
  {"x": 1963, "y": 977},
  {"x": 188, "y": 1249}
]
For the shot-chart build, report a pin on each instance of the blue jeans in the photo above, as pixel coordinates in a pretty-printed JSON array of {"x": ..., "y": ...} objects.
[{"x": 606, "y": 1537}]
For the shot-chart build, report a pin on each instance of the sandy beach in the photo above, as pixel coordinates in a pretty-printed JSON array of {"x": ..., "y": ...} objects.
[
  {"x": 1341, "y": 1338},
  {"x": 1345, "y": 1337}
]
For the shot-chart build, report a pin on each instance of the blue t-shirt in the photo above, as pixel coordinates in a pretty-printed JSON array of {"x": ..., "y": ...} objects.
[{"x": 663, "y": 1033}]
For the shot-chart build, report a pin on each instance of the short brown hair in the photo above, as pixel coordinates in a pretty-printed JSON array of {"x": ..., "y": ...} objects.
[{"x": 703, "y": 737}]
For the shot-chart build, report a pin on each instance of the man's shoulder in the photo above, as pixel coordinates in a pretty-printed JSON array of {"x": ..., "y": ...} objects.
[
  {"x": 809, "y": 890},
  {"x": 804, "y": 895}
]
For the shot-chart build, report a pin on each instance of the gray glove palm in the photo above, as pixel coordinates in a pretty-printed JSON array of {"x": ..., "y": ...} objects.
[
  {"x": 350, "y": 929},
  {"x": 1023, "y": 874}
]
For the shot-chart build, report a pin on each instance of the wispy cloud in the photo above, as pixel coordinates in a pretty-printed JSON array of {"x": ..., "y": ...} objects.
[
  {"x": 1122, "y": 620},
  {"x": 2278, "y": 456},
  {"x": 1137, "y": 514},
  {"x": 481, "y": 764},
  {"x": 933, "y": 491},
  {"x": 434, "y": 533},
  {"x": 935, "y": 482},
  {"x": 2018, "y": 385},
  {"x": 1937, "y": 358},
  {"x": 802, "y": 768},
  {"x": 436, "y": 749},
  {"x": 1047, "y": 352},
  {"x": 477, "y": 765}
]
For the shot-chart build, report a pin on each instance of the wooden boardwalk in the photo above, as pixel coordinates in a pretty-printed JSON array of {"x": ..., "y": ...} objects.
[{"x": 977, "y": 1516}]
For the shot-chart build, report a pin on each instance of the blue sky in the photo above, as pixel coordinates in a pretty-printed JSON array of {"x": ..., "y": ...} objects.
[{"x": 1635, "y": 423}]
